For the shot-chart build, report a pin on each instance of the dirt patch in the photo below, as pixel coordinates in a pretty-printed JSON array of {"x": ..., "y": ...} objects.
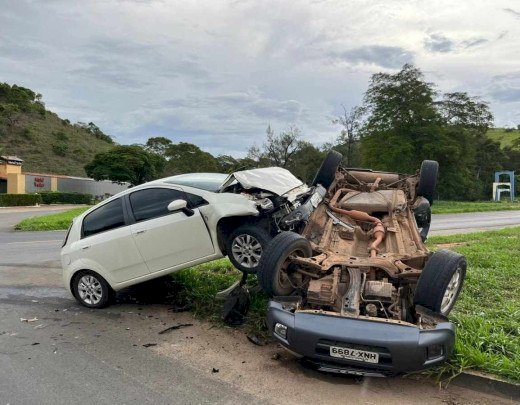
[
  {"x": 272, "y": 373},
  {"x": 450, "y": 245}
]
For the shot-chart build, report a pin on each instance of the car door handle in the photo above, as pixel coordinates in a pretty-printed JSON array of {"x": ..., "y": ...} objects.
[
  {"x": 140, "y": 231},
  {"x": 86, "y": 247}
]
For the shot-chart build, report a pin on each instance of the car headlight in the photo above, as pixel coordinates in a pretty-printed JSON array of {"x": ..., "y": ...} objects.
[{"x": 281, "y": 330}]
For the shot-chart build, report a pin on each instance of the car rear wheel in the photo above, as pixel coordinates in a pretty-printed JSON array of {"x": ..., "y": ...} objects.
[
  {"x": 277, "y": 275},
  {"x": 91, "y": 290},
  {"x": 245, "y": 246},
  {"x": 328, "y": 168},
  {"x": 428, "y": 179},
  {"x": 441, "y": 281}
]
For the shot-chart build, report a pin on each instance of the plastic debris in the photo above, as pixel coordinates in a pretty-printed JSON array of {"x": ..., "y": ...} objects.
[
  {"x": 175, "y": 327},
  {"x": 28, "y": 320}
]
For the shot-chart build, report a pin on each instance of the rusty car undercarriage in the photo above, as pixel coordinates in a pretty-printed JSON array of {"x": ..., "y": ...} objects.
[
  {"x": 361, "y": 257},
  {"x": 367, "y": 248}
]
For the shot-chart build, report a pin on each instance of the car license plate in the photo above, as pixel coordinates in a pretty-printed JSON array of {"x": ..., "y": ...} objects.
[
  {"x": 354, "y": 354},
  {"x": 316, "y": 199}
]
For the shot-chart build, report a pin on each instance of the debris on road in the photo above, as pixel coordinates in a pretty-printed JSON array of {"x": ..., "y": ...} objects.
[
  {"x": 256, "y": 340},
  {"x": 177, "y": 309},
  {"x": 28, "y": 320},
  {"x": 175, "y": 327},
  {"x": 215, "y": 370},
  {"x": 149, "y": 344}
]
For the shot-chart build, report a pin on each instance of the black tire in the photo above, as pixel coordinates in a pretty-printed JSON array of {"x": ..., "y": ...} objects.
[
  {"x": 435, "y": 278},
  {"x": 428, "y": 179},
  {"x": 327, "y": 172},
  {"x": 243, "y": 233},
  {"x": 280, "y": 248},
  {"x": 94, "y": 294}
]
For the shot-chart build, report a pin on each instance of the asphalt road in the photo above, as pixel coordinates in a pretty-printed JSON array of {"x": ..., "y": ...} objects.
[
  {"x": 71, "y": 354},
  {"x": 447, "y": 224}
]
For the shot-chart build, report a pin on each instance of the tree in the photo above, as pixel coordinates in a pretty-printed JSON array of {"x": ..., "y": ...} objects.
[
  {"x": 459, "y": 109},
  {"x": 126, "y": 163},
  {"x": 10, "y": 114},
  {"x": 158, "y": 145},
  {"x": 348, "y": 140},
  {"x": 188, "y": 158},
  {"x": 306, "y": 161},
  {"x": 406, "y": 124},
  {"x": 278, "y": 150}
]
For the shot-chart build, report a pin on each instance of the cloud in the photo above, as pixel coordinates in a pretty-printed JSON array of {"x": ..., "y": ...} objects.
[
  {"x": 217, "y": 73},
  {"x": 391, "y": 57},
  {"x": 505, "y": 88},
  {"x": 439, "y": 43},
  {"x": 512, "y": 12}
]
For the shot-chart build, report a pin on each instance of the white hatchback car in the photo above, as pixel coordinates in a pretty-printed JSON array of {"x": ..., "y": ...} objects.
[{"x": 170, "y": 224}]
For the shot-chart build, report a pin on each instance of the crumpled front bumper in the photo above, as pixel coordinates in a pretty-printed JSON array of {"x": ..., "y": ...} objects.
[{"x": 401, "y": 348}]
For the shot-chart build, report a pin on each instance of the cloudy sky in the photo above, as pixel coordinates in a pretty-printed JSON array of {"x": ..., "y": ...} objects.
[{"x": 216, "y": 73}]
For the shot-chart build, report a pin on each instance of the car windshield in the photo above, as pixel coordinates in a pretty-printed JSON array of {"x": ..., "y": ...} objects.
[{"x": 203, "y": 181}]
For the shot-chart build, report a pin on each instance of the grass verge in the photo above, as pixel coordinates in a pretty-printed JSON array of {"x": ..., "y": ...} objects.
[
  {"x": 50, "y": 222},
  {"x": 457, "y": 207},
  {"x": 487, "y": 314}
]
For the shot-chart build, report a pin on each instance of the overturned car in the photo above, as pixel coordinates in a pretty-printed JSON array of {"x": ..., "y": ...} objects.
[{"x": 358, "y": 291}]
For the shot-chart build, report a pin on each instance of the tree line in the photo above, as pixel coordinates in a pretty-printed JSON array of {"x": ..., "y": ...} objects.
[{"x": 403, "y": 120}]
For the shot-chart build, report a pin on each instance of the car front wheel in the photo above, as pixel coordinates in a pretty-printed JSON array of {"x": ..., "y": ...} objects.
[
  {"x": 440, "y": 282},
  {"x": 91, "y": 290},
  {"x": 245, "y": 246}
]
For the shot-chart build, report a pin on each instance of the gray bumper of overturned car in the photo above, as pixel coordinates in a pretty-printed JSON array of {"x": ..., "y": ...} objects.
[{"x": 401, "y": 348}]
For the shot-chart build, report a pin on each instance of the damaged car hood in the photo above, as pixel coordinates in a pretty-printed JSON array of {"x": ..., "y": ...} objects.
[{"x": 273, "y": 179}]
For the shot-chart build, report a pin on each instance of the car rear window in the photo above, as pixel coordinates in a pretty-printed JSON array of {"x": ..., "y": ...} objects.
[
  {"x": 108, "y": 216},
  {"x": 153, "y": 202}
]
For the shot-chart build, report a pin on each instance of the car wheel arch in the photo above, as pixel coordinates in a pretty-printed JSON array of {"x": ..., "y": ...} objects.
[
  {"x": 226, "y": 225},
  {"x": 81, "y": 270}
]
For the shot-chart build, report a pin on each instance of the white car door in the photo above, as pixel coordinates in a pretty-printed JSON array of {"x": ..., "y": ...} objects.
[
  {"x": 167, "y": 239},
  {"x": 107, "y": 243}
]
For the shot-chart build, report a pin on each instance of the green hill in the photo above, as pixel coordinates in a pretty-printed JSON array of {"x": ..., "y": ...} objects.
[
  {"x": 506, "y": 136},
  {"x": 46, "y": 143}
]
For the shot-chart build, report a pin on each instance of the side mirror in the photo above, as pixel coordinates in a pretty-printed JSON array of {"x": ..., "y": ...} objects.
[
  {"x": 180, "y": 205},
  {"x": 177, "y": 205}
]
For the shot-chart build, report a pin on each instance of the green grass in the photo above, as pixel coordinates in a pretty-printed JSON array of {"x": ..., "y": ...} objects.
[
  {"x": 50, "y": 222},
  {"x": 455, "y": 207},
  {"x": 505, "y": 138},
  {"x": 487, "y": 313},
  {"x": 49, "y": 145}
]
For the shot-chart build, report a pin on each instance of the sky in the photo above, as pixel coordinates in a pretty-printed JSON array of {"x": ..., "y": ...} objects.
[{"x": 217, "y": 73}]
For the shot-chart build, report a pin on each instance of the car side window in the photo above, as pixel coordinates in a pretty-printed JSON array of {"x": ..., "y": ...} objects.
[
  {"x": 153, "y": 202},
  {"x": 108, "y": 216}
]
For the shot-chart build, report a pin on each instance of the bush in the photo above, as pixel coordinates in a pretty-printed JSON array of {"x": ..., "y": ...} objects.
[
  {"x": 16, "y": 200},
  {"x": 65, "y": 198},
  {"x": 60, "y": 148}
]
